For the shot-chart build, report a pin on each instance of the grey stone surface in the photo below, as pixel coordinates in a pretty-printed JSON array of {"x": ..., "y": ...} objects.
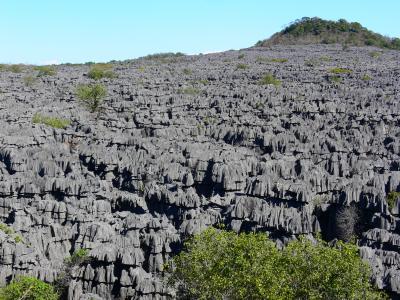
[{"x": 162, "y": 162}]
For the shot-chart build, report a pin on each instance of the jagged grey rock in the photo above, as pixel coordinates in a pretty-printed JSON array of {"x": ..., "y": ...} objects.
[{"x": 173, "y": 152}]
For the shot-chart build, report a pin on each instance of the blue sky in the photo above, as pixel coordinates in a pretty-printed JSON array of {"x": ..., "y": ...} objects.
[{"x": 55, "y": 31}]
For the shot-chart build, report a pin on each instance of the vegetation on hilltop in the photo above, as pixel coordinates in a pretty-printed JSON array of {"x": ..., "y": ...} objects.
[{"x": 319, "y": 31}]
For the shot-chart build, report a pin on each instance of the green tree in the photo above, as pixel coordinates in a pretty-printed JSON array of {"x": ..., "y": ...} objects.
[
  {"x": 99, "y": 71},
  {"x": 92, "y": 96},
  {"x": 218, "y": 264},
  {"x": 28, "y": 288},
  {"x": 79, "y": 257},
  {"x": 320, "y": 271}
]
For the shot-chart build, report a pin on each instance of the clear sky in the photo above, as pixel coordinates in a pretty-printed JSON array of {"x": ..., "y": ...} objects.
[{"x": 57, "y": 31}]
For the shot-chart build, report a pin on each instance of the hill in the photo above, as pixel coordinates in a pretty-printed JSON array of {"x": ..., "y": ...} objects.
[{"x": 318, "y": 31}]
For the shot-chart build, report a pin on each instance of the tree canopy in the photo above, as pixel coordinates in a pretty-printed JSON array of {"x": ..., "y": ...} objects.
[
  {"x": 218, "y": 264},
  {"x": 28, "y": 288}
]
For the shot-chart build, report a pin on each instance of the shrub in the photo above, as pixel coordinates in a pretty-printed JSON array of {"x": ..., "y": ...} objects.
[
  {"x": 241, "y": 67},
  {"x": 325, "y": 58},
  {"x": 187, "y": 71},
  {"x": 391, "y": 199},
  {"x": 78, "y": 257},
  {"x": 374, "y": 54},
  {"x": 28, "y": 288},
  {"x": 340, "y": 71},
  {"x": 6, "y": 229},
  {"x": 366, "y": 77},
  {"x": 347, "y": 220},
  {"x": 189, "y": 91},
  {"x": 91, "y": 96},
  {"x": 218, "y": 264},
  {"x": 29, "y": 80},
  {"x": 269, "y": 79},
  {"x": 99, "y": 71},
  {"x": 241, "y": 56},
  {"x": 203, "y": 81},
  {"x": 50, "y": 121},
  {"x": 45, "y": 71},
  {"x": 15, "y": 68},
  {"x": 335, "y": 79},
  {"x": 279, "y": 60},
  {"x": 18, "y": 239}
]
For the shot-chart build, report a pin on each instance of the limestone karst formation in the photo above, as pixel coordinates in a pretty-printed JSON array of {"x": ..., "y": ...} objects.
[{"x": 186, "y": 142}]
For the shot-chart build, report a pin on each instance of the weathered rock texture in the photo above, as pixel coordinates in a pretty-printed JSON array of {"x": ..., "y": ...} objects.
[{"x": 189, "y": 142}]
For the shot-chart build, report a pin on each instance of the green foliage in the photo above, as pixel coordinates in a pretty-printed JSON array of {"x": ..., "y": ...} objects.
[
  {"x": 10, "y": 232},
  {"x": 91, "y": 96},
  {"x": 279, "y": 60},
  {"x": 325, "y": 58},
  {"x": 28, "y": 288},
  {"x": 18, "y": 239},
  {"x": 275, "y": 60},
  {"x": 241, "y": 67},
  {"x": 187, "y": 71},
  {"x": 391, "y": 199},
  {"x": 45, "y": 71},
  {"x": 374, "y": 54},
  {"x": 324, "y": 272},
  {"x": 340, "y": 71},
  {"x": 50, "y": 121},
  {"x": 218, "y": 264},
  {"x": 164, "y": 57},
  {"x": 335, "y": 79},
  {"x": 29, "y": 80},
  {"x": 261, "y": 59},
  {"x": 318, "y": 30},
  {"x": 366, "y": 77},
  {"x": 269, "y": 79},
  {"x": 78, "y": 257},
  {"x": 189, "y": 91},
  {"x": 6, "y": 229},
  {"x": 241, "y": 56},
  {"x": 64, "y": 278},
  {"x": 203, "y": 81},
  {"x": 99, "y": 71},
  {"x": 15, "y": 68},
  {"x": 259, "y": 105}
]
